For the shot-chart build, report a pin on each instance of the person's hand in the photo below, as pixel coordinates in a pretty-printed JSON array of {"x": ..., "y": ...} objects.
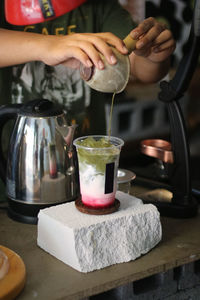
[
  {"x": 71, "y": 50},
  {"x": 155, "y": 41}
]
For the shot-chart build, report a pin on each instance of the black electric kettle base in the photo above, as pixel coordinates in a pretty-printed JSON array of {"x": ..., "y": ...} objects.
[
  {"x": 25, "y": 213},
  {"x": 21, "y": 218}
]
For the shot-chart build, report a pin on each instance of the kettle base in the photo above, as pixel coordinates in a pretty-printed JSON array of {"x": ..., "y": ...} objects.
[
  {"x": 21, "y": 218},
  {"x": 26, "y": 213}
]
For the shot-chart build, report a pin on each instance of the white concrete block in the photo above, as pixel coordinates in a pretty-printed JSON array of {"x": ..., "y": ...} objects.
[{"x": 91, "y": 242}]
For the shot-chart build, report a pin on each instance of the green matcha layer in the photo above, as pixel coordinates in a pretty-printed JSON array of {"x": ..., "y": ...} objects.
[{"x": 98, "y": 153}]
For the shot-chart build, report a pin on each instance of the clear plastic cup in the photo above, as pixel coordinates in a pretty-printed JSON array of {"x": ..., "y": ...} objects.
[{"x": 98, "y": 170}]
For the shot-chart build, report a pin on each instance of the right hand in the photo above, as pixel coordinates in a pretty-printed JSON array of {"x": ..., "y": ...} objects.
[{"x": 71, "y": 50}]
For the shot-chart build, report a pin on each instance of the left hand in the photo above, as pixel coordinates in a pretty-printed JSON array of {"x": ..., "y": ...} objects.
[{"x": 155, "y": 41}]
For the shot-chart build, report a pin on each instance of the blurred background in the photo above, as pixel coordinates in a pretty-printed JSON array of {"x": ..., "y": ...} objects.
[{"x": 137, "y": 112}]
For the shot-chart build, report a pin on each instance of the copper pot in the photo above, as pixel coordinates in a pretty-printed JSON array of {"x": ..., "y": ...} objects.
[{"x": 158, "y": 148}]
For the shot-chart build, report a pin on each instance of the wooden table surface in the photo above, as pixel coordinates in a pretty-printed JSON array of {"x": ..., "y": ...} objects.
[{"x": 49, "y": 278}]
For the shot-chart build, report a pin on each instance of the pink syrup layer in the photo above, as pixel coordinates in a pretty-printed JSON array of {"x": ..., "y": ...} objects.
[{"x": 97, "y": 202}]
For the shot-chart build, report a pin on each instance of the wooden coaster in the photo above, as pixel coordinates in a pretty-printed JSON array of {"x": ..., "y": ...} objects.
[
  {"x": 14, "y": 280},
  {"x": 96, "y": 211}
]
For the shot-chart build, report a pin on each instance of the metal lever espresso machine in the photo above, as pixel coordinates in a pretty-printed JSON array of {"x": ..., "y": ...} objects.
[
  {"x": 176, "y": 154},
  {"x": 41, "y": 163}
]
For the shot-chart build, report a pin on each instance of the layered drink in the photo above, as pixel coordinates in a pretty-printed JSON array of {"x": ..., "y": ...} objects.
[{"x": 98, "y": 158}]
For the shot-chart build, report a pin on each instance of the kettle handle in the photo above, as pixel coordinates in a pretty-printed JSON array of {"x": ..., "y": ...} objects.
[{"x": 7, "y": 112}]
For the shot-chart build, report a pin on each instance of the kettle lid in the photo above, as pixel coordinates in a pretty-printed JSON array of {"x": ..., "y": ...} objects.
[{"x": 40, "y": 108}]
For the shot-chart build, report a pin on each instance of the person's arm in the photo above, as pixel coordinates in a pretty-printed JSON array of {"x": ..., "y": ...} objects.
[
  {"x": 18, "y": 47},
  {"x": 21, "y": 47},
  {"x": 150, "y": 61}
]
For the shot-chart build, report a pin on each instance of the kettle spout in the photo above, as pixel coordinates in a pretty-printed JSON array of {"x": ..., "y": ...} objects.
[
  {"x": 70, "y": 135},
  {"x": 67, "y": 132}
]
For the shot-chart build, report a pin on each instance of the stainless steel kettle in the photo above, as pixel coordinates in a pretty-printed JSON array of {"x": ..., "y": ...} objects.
[{"x": 41, "y": 163}]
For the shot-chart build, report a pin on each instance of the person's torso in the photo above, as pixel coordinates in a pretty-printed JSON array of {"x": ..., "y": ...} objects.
[{"x": 61, "y": 84}]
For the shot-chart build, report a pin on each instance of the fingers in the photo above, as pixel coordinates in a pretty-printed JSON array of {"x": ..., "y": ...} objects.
[
  {"x": 100, "y": 43},
  {"x": 114, "y": 41},
  {"x": 76, "y": 56},
  {"x": 93, "y": 46},
  {"x": 164, "y": 41},
  {"x": 151, "y": 32},
  {"x": 151, "y": 36},
  {"x": 87, "y": 48},
  {"x": 143, "y": 27},
  {"x": 88, "y": 54}
]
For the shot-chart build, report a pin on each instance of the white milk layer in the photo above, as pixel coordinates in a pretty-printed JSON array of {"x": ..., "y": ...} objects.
[{"x": 92, "y": 182}]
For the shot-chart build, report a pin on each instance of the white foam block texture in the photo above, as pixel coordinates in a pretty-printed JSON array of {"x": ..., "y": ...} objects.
[{"x": 91, "y": 242}]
